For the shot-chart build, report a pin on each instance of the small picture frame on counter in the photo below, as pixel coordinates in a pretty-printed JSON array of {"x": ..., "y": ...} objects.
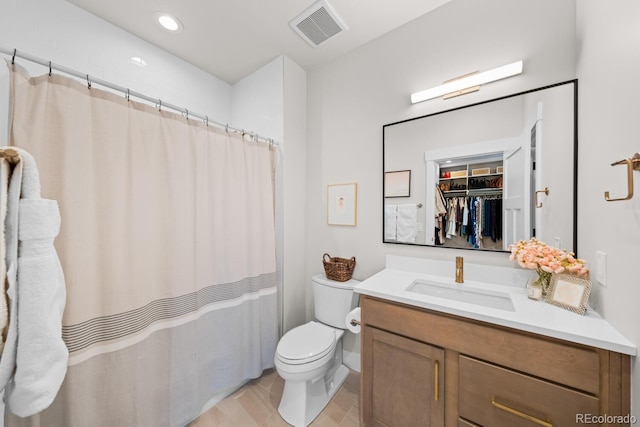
[{"x": 569, "y": 292}]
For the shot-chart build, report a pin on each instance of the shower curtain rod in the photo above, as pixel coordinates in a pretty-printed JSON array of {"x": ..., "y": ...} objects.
[{"x": 14, "y": 53}]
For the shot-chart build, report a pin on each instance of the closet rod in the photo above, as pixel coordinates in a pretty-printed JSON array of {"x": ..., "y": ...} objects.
[{"x": 14, "y": 53}]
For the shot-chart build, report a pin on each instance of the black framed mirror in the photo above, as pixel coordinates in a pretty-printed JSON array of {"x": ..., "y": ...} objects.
[{"x": 488, "y": 174}]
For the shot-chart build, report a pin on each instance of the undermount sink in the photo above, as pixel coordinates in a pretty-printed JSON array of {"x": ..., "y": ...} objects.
[{"x": 462, "y": 293}]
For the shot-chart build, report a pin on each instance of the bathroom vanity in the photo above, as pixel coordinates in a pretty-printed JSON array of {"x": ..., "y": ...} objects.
[{"x": 468, "y": 359}]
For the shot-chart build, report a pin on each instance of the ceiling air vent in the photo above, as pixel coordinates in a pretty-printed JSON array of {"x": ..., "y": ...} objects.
[{"x": 317, "y": 24}]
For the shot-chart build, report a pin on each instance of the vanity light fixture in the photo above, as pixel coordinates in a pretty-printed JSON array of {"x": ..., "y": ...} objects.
[
  {"x": 168, "y": 22},
  {"x": 472, "y": 81}
]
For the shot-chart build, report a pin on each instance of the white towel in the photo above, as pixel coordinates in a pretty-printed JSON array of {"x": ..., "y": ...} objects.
[
  {"x": 390, "y": 215},
  {"x": 407, "y": 223},
  {"x": 34, "y": 361}
]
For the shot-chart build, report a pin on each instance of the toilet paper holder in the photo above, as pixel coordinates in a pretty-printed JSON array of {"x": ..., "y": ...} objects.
[{"x": 353, "y": 321}]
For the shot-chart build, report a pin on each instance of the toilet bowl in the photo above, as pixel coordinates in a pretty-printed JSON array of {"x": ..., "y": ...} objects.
[
  {"x": 309, "y": 357},
  {"x": 311, "y": 375},
  {"x": 306, "y": 352}
]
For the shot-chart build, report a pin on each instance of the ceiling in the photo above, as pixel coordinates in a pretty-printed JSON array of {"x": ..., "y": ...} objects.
[{"x": 233, "y": 38}]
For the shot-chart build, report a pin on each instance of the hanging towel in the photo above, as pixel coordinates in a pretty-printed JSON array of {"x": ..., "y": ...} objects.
[
  {"x": 407, "y": 224},
  {"x": 34, "y": 362},
  {"x": 390, "y": 212},
  {"x": 452, "y": 218}
]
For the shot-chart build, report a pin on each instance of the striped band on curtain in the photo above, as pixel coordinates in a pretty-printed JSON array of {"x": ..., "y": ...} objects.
[{"x": 168, "y": 249}]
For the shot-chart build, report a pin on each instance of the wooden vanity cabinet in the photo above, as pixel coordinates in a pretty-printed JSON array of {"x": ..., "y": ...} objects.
[{"x": 424, "y": 368}]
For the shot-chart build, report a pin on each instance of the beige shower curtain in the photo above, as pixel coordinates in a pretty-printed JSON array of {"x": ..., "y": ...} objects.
[{"x": 168, "y": 249}]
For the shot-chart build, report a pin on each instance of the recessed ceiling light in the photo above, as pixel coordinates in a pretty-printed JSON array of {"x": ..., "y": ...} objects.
[
  {"x": 168, "y": 22},
  {"x": 138, "y": 61}
]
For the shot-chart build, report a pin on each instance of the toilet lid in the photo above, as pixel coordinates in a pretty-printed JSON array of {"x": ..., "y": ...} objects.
[{"x": 306, "y": 343}]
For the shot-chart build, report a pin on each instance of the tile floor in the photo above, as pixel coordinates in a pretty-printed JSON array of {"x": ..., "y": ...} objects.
[{"x": 256, "y": 404}]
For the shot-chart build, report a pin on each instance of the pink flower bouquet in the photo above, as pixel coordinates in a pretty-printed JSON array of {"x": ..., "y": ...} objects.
[
  {"x": 545, "y": 260},
  {"x": 536, "y": 255}
]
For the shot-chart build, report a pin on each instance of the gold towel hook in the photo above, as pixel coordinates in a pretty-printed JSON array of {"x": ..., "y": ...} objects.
[
  {"x": 546, "y": 193},
  {"x": 633, "y": 163}
]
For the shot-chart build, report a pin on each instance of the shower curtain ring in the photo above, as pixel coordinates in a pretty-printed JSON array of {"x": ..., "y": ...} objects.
[
  {"x": 159, "y": 105},
  {"x": 186, "y": 114},
  {"x": 127, "y": 95},
  {"x": 206, "y": 120},
  {"x": 49, "y": 68},
  {"x": 88, "y": 82},
  {"x": 13, "y": 58}
]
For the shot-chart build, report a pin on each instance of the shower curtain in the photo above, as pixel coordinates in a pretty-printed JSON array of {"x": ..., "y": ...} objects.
[{"x": 168, "y": 249}]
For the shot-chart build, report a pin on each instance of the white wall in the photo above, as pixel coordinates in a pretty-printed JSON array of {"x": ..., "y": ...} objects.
[
  {"x": 258, "y": 99},
  {"x": 608, "y": 62},
  {"x": 352, "y": 98},
  {"x": 294, "y": 216}
]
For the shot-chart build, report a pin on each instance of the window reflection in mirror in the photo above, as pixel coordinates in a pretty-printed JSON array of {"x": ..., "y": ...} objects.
[{"x": 486, "y": 175}]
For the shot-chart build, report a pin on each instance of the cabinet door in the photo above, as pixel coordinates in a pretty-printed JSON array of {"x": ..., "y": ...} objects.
[{"x": 402, "y": 381}]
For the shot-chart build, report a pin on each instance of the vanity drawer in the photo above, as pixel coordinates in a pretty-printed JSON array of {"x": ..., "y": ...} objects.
[{"x": 490, "y": 395}]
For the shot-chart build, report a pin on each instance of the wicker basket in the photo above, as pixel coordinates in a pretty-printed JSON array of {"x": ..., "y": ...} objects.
[{"x": 338, "y": 269}]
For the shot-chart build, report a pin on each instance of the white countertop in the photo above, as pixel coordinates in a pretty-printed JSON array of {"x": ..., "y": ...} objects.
[{"x": 529, "y": 315}]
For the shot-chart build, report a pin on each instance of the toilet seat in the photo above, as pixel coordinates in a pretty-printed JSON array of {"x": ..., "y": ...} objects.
[{"x": 306, "y": 343}]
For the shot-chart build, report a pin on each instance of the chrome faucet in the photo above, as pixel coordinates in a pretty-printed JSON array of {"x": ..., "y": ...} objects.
[{"x": 459, "y": 269}]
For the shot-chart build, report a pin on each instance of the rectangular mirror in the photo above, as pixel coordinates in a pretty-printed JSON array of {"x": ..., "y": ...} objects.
[{"x": 486, "y": 175}]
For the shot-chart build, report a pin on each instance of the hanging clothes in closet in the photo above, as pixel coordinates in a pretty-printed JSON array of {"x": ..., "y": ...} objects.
[{"x": 475, "y": 220}]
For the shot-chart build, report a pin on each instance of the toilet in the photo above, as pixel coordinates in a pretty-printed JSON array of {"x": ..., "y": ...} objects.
[{"x": 309, "y": 357}]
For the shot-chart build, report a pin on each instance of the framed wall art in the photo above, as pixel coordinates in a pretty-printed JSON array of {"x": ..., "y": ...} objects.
[
  {"x": 342, "y": 204},
  {"x": 397, "y": 183}
]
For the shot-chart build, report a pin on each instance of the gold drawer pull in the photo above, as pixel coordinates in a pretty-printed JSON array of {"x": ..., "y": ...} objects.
[
  {"x": 519, "y": 413},
  {"x": 435, "y": 382}
]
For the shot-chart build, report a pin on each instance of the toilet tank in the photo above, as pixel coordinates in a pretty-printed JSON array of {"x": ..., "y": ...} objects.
[{"x": 333, "y": 300}]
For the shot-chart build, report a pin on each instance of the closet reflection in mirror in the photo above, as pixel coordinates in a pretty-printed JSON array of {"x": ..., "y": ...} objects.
[{"x": 479, "y": 173}]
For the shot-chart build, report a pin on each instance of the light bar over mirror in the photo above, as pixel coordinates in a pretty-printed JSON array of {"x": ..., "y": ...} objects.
[{"x": 458, "y": 86}]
